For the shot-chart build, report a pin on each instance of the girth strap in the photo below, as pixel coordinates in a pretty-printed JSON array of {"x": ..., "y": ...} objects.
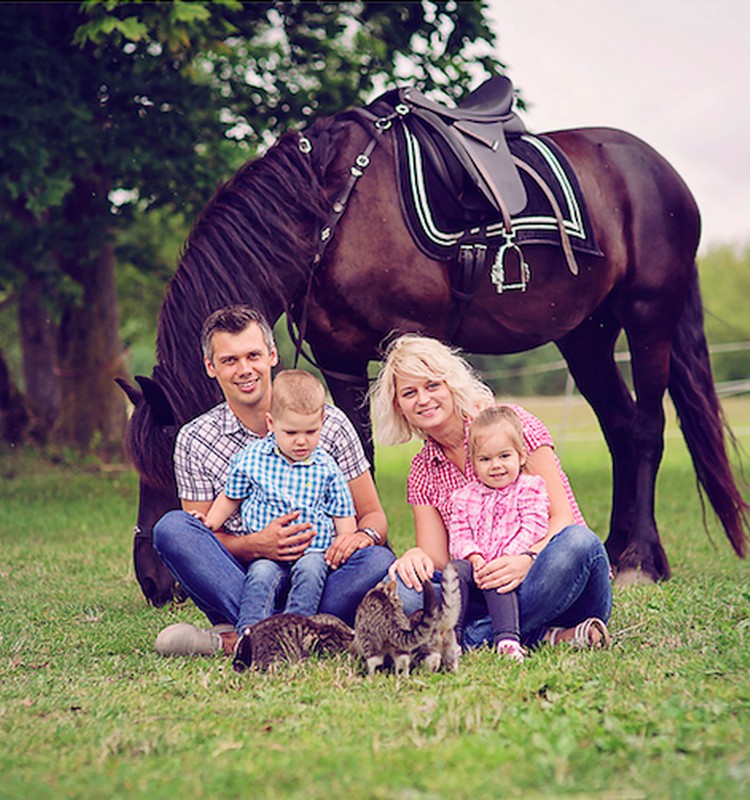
[
  {"x": 465, "y": 273},
  {"x": 570, "y": 258}
]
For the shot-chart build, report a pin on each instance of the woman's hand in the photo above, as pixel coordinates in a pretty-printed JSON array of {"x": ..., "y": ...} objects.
[
  {"x": 505, "y": 573},
  {"x": 413, "y": 567}
]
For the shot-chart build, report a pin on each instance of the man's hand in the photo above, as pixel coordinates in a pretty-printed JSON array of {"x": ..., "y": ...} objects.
[
  {"x": 344, "y": 545},
  {"x": 280, "y": 540}
]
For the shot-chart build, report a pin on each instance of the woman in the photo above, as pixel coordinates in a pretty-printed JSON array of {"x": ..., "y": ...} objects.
[{"x": 426, "y": 389}]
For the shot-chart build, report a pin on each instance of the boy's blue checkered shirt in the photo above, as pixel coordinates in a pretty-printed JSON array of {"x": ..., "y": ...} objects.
[{"x": 269, "y": 486}]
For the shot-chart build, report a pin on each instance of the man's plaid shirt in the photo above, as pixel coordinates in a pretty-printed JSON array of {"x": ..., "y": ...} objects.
[{"x": 205, "y": 446}]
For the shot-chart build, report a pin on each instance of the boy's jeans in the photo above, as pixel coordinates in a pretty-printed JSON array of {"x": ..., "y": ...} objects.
[{"x": 294, "y": 587}]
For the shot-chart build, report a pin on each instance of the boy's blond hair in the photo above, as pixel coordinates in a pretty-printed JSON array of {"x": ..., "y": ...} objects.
[
  {"x": 492, "y": 418},
  {"x": 298, "y": 391}
]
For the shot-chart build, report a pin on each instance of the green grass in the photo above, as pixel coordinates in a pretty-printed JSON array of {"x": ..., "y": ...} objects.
[{"x": 88, "y": 710}]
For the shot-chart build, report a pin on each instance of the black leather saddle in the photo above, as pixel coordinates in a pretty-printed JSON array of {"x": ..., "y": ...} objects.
[{"x": 466, "y": 147}]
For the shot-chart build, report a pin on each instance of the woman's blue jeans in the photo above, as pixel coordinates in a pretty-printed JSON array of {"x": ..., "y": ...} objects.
[
  {"x": 215, "y": 580},
  {"x": 568, "y": 582}
]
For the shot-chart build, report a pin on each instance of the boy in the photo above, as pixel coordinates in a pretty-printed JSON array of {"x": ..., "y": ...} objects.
[{"x": 284, "y": 472}]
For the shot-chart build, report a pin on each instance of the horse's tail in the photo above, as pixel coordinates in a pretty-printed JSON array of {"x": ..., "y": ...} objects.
[{"x": 692, "y": 389}]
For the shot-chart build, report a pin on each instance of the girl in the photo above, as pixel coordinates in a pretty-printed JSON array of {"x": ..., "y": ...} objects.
[{"x": 504, "y": 511}]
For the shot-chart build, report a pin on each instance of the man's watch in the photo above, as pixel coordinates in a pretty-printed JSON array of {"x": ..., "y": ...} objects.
[
  {"x": 531, "y": 554},
  {"x": 372, "y": 533}
]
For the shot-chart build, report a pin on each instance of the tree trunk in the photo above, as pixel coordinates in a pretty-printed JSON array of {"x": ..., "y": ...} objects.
[
  {"x": 37, "y": 334},
  {"x": 92, "y": 407},
  {"x": 14, "y": 418}
]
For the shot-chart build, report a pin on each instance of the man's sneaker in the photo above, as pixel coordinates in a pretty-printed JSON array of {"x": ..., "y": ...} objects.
[{"x": 183, "y": 639}]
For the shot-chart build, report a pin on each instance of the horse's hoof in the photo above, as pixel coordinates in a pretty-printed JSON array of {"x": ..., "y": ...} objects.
[{"x": 633, "y": 577}]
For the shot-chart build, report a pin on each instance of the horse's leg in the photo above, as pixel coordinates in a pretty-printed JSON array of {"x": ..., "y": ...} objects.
[
  {"x": 634, "y": 432},
  {"x": 589, "y": 352},
  {"x": 346, "y": 377},
  {"x": 644, "y": 555}
]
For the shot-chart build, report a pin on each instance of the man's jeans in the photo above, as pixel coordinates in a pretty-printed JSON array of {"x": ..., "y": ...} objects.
[
  {"x": 568, "y": 582},
  {"x": 215, "y": 580}
]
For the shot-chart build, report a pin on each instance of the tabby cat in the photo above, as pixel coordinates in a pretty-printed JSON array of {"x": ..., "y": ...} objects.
[
  {"x": 384, "y": 635},
  {"x": 442, "y": 648},
  {"x": 290, "y": 637}
]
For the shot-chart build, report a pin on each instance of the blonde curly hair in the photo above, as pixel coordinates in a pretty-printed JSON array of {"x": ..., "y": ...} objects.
[{"x": 428, "y": 359}]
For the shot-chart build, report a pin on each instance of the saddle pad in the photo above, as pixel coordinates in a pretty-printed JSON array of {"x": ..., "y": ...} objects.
[{"x": 535, "y": 224}]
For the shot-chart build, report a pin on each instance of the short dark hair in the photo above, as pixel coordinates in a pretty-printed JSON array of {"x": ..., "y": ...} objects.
[{"x": 233, "y": 319}]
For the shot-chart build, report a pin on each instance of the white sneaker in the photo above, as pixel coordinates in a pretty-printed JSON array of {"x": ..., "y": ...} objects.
[
  {"x": 184, "y": 639},
  {"x": 510, "y": 648}
]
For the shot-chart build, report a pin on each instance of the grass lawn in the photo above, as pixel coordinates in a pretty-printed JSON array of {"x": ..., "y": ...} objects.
[{"x": 88, "y": 710}]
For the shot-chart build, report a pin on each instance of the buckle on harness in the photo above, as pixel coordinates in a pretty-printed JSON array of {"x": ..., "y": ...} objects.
[{"x": 521, "y": 269}]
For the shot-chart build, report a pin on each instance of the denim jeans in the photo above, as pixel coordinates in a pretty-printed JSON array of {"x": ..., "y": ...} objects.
[
  {"x": 293, "y": 587},
  {"x": 215, "y": 580},
  {"x": 567, "y": 583}
]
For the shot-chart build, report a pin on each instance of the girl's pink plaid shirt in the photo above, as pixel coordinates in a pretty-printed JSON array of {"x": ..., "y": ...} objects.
[
  {"x": 433, "y": 477},
  {"x": 498, "y": 522}
]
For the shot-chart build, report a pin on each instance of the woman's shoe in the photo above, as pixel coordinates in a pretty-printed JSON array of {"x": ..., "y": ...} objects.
[{"x": 592, "y": 632}]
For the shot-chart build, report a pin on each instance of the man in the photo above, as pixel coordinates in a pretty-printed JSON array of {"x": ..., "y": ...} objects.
[{"x": 239, "y": 353}]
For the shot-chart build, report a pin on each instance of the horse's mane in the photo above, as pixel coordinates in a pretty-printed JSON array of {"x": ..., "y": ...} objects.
[{"x": 253, "y": 243}]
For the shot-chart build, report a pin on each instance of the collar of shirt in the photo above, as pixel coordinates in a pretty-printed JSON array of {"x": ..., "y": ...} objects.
[
  {"x": 271, "y": 446},
  {"x": 484, "y": 490},
  {"x": 230, "y": 423}
]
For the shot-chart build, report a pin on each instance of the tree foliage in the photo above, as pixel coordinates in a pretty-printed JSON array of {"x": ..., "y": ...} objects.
[{"x": 112, "y": 110}]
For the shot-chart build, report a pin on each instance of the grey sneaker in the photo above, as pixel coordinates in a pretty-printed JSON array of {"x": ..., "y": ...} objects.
[{"x": 184, "y": 639}]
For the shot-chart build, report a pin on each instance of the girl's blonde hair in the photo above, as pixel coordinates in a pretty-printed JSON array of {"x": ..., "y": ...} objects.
[
  {"x": 427, "y": 359},
  {"x": 490, "y": 420}
]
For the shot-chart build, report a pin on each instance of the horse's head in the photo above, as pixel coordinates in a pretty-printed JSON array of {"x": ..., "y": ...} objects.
[{"x": 150, "y": 442}]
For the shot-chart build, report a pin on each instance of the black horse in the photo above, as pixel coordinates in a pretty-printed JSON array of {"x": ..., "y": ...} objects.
[{"x": 258, "y": 240}]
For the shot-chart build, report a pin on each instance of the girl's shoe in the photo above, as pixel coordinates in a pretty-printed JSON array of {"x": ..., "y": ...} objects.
[{"x": 511, "y": 649}]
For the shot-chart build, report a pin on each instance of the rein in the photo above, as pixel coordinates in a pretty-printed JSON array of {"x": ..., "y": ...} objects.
[{"x": 339, "y": 206}]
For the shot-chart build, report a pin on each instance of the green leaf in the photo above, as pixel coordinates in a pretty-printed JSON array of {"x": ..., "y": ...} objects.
[
  {"x": 131, "y": 28},
  {"x": 189, "y": 12}
]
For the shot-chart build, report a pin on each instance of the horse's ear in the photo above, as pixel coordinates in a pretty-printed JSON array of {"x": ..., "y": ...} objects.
[
  {"x": 134, "y": 395},
  {"x": 155, "y": 397}
]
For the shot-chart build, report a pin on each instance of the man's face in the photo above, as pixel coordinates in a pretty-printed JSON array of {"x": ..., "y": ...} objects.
[{"x": 242, "y": 364}]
